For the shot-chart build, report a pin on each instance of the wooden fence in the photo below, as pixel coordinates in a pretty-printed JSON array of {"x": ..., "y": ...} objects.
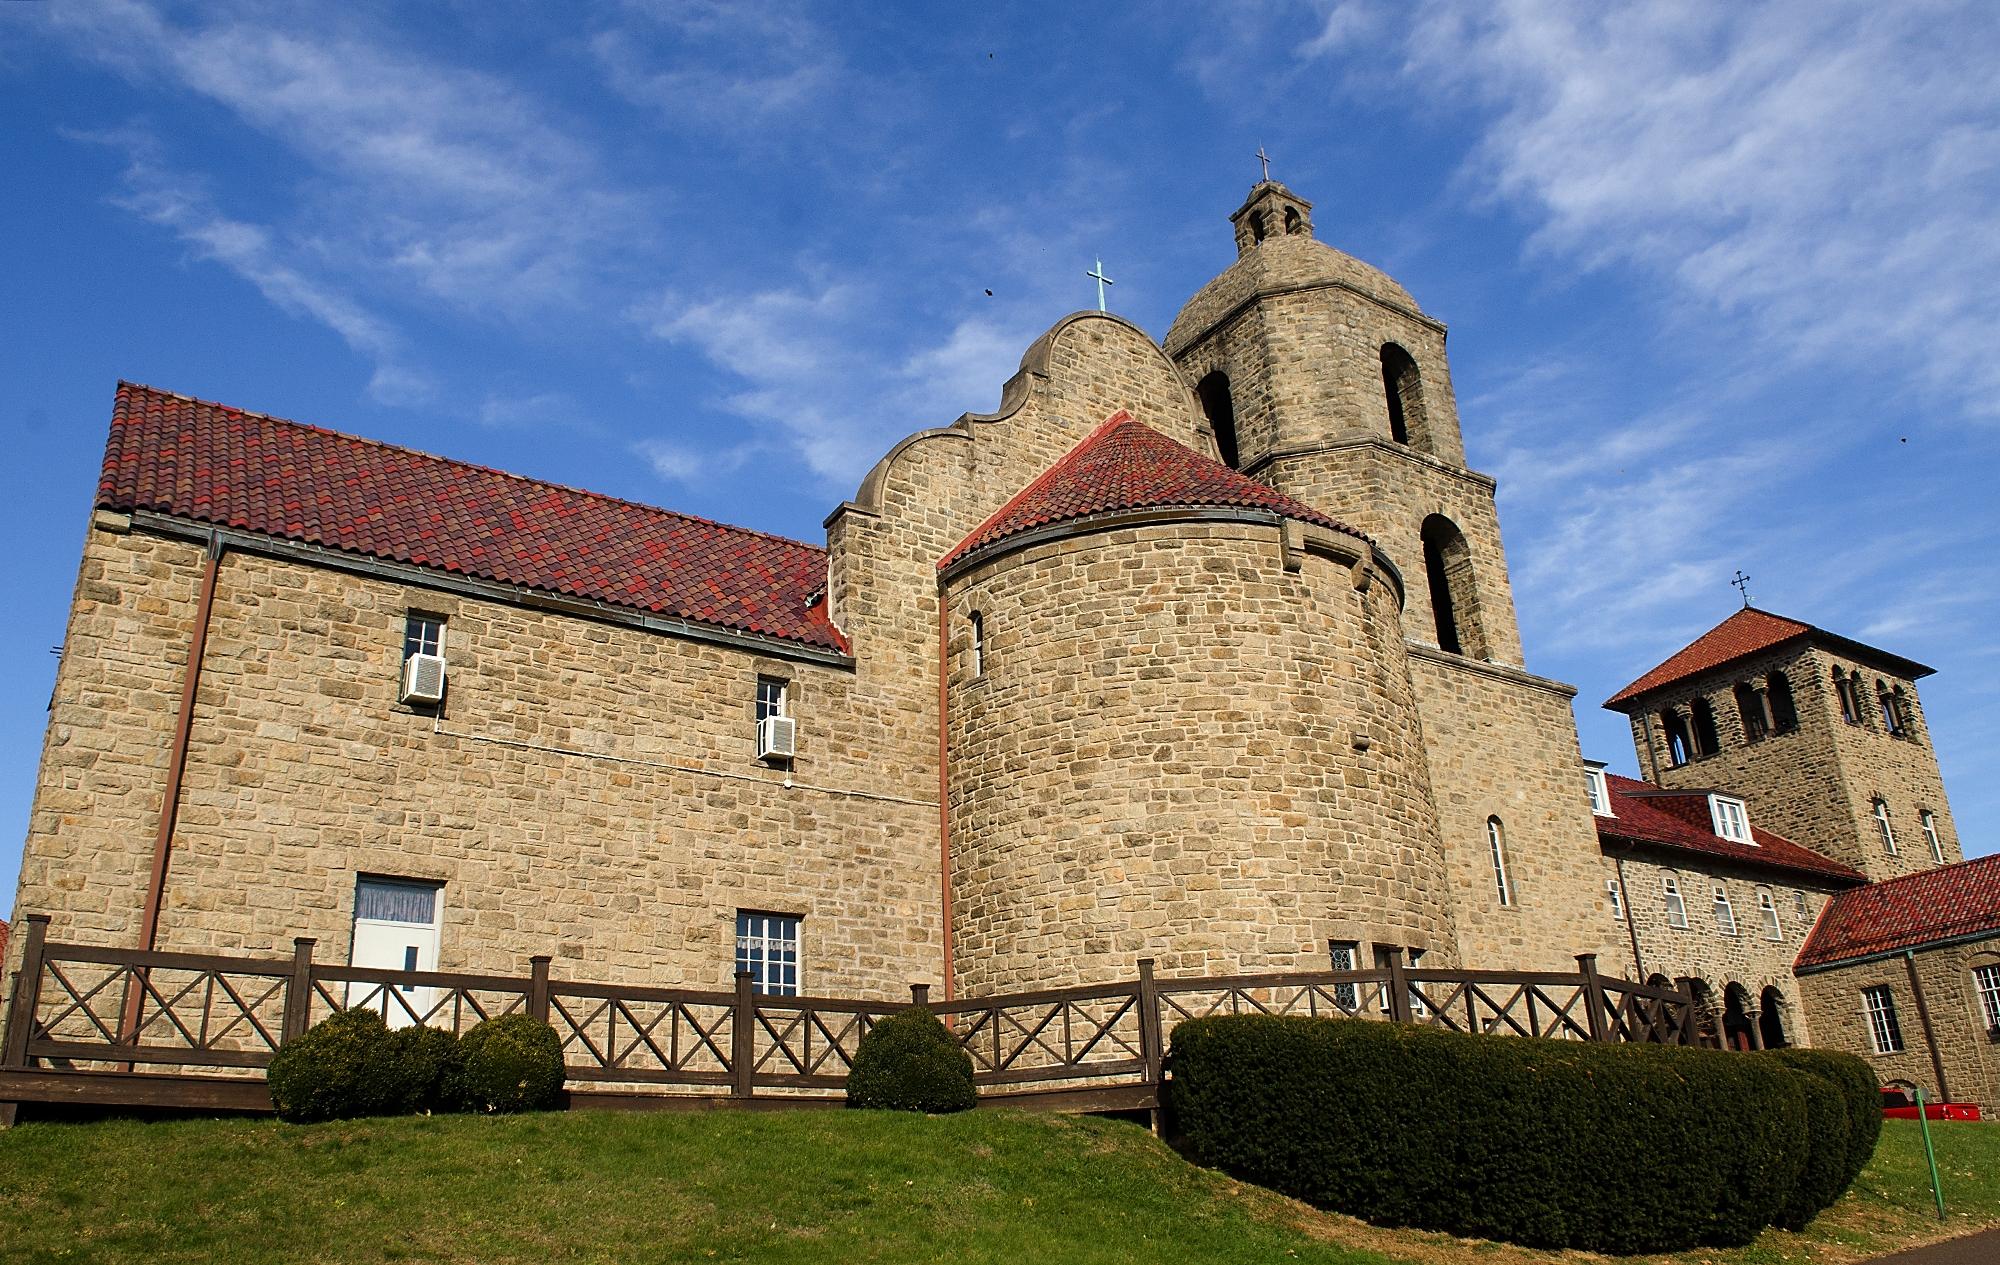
[{"x": 130, "y": 1028}]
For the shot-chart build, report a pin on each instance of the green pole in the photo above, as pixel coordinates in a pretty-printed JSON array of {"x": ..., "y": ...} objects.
[{"x": 1924, "y": 1122}]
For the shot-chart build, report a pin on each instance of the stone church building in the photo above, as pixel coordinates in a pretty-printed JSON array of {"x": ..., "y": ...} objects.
[{"x": 1204, "y": 652}]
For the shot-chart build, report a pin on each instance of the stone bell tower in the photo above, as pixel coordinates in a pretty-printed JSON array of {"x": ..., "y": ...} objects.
[{"x": 1321, "y": 376}]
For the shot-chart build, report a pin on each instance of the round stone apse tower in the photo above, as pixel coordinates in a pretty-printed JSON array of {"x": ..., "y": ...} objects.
[{"x": 1180, "y": 726}]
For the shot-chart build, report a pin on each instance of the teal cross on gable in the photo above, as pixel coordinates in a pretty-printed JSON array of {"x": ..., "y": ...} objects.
[{"x": 1102, "y": 281}]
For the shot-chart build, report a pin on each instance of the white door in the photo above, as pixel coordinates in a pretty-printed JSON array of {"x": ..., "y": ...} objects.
[{"x": 395, "y": 929}]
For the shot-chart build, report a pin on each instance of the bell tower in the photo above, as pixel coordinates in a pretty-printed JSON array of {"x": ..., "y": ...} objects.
[{"x": 1322, "y": 377}]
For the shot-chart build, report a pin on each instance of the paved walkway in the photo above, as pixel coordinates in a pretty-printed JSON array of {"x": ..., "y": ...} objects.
[{"x": 1974, "y": 1249}]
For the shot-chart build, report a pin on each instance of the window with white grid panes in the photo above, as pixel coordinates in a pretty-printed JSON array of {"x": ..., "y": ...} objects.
[
  {"x": 767, "y": 946},
  {"x": 1418, "y": 1009},
  {"x": 422, "y": 634},
  {"x": 1600, "y": 793},
  {"x": 1986, "y": 980},
  {"x": 1345, "y": 956},
  {"x": 1725, "y": 915},
  {"x": 770, "y": 698},
  {"x": 1882, "y": 824},
  {"x": 1801, "y": 907},
  {"x": 1616, "y": 895},
  {"x": 1768, "y": 907},
  {"x": 1929, "y": 821},
  {"x": 1496, "y": 842},
  {"x": 1879, "y": 1005},
  {"x": 1677, "y": 914},
  {"x": 1730, "y": 818}
]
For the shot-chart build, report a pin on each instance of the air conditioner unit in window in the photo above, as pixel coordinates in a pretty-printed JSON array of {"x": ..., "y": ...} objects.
[
  {"x": 423, "y": 678},
  {"x": 776, "y": 737}
]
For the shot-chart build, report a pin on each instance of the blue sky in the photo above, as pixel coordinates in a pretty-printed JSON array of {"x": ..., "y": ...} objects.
[{"x": 1722, "y": 279}]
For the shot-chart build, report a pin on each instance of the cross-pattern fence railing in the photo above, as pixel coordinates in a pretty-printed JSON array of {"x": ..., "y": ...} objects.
[{"x": 130, "y": 1018}]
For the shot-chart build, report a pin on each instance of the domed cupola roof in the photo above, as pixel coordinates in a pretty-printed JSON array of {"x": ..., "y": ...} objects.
[
  {"x": 1275, "y": 253},
  {"x": 1125, "y": 466}
]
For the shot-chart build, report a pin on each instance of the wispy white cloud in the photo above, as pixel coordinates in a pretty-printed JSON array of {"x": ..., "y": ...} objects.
[{"x": 723, "y": 67}]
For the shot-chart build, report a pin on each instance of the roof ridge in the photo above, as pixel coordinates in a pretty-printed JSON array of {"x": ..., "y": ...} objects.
[
  {"x": 459, "y": 464},
  {"x": 1061, "y": 463},
  {"x": 1932, "y": 872}
]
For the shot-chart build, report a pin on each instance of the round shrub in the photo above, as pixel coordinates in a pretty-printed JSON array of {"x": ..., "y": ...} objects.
[
  {"x": 1827, "y": 1134},
  {"x": 1612, "y": 1148},
  {"x": 909, "y": 1062},
  {"x": 512, "y": 1063},
  {"x": 1859, "y": 1092},
  {"x": 430, "y": 1069},
  {"x": 339, "y": 1068}
]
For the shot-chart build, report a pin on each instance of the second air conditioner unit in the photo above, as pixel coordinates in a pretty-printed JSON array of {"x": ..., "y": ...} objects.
[
  {"x": 777, "y": 737},
  {"x": 423, "y": 678}
]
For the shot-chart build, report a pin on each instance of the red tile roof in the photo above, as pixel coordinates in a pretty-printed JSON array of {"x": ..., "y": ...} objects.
[
  {"x": 1646, "y": 814},
  {"x": 1127, "y": 465},
  {"x": 1907, "y": 912},
  {"x": 1747, "y": 632},
  {"x": 219, "y": 465}
]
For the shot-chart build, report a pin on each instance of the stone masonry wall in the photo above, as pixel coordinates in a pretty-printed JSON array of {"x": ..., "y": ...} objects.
[
  {"x": 1161, "y": 759},
  {"x": 589, "y": 790},
  {"x": 1970, "y": 1054},
  {"x": 1815, "y": 785},
  {"x": 1503, "y": 744}
]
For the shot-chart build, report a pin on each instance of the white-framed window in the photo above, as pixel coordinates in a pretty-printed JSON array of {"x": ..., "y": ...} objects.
[
  {"x": 1418, "y": 1009},
  {"x": 978, "y": 623},
  {"x": 1616, "y": 895},
  {"x": 771, "y": 697},
  {"x": 1882, "y": 824},
  {"x": 1929, "y": 822},
  {"x": 1725, "y": 914},
  {"x": 1731, "y": 818},
  {"x": 1677, "y": 914},
  {"x": 1769, "y": 909},
  {"x": 1878, "y": 1005},
  {"x": 1986, "y": 981},
  {"x": 767, "y": 946},
  {"x": 1345, "y": 956},
  {"x": 422, "y": 634},
  {"x": 397, "y": 927},
  {"x": 1801, "y": 907},
  {"x": 1496, "y": 843},
  {"x": 1600, "y": 792}
]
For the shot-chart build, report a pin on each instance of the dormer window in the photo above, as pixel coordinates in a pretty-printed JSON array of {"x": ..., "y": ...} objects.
[
  {"x": 1600, "y": 792},
  {"x": 1731, "y": 818}
]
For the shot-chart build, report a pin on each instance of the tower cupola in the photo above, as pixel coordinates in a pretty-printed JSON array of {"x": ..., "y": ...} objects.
[{"x": 1270, "y": 211}]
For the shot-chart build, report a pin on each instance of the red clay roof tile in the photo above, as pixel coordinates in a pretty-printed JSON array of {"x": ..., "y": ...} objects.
[
  {"x": 219, "y": 465},
  {"x": 1907, "y": 912},
  {"x": 1746, "y": 632},
  {"x": 1127, "y": 465},
  {"x": 1645, "y": 814}
]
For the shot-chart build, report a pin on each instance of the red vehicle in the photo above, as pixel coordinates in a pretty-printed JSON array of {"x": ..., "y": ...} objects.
[{"x": 1897, "y": 1104}]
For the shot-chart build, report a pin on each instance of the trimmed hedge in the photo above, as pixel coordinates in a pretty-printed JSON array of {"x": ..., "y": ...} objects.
[
  {"x": 348, "y": 1064},
  {"x": 509, "y": 1064},
  {"x": 1613, "y": 1148},
  {"x": 1860, "y": 1094},
  {"x": 909, "y": 1062}
]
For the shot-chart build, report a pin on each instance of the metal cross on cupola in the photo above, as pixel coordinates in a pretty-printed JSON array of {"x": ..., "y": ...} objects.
[
  {"x": 1742, "y": 585},
  {"x": 1264, "y": 158},
  {"x": 1102, "y": 281}
]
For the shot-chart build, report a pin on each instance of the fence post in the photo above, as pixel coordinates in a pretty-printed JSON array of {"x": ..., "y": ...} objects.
[
  {"x": 1152, "y": 1042},
  {"x": 920, "y": 994},
  {"x": 1593, "y": 995},
  {"x": 538, "y": 987},
  {"x": 298, "y": 990},
  {"x": 1399, "y": 985},
  {"x": 27, "y": 992},
  {"x": 742, "y": 1037}
]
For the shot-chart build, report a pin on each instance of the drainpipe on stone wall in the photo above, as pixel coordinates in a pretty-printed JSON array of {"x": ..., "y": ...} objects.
[
  {"x": 1924, "y": 1018},
  {"x": 170, "y": 800},
  {"x": 944, "y": 785},
  {"x": 1631, "y": 925}
]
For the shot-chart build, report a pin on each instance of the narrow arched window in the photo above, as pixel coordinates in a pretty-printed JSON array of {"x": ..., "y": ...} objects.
[
  {"x": 1706, "y": 741},
  {"x": 1454, "y": 595},
  {"x": 1496, "y": 842},
  {"x": 978, "y": 623},
  {"x": 1849, "y": 693},
  {"x": 1784, "y": 709},
  {"x": 1880, "y": 809},
  {"x": 1892, "y": 708},
  {"x": 1679, "y": 749},
  {"x": 1403, "y": 389},
  {"x": 1928, "y": 820},
  {"x": 1258, "y": 226},
  {"x": 1767, "y": 909},
  {"x": 1750, "y": 707},
  {"x": 1216, "y": 405},
  {"x": 1294, "y": 222}
]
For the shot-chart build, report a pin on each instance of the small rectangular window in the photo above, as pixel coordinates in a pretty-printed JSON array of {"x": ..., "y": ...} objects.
[
  {"x": 1986, "y": 979},
  {"x": 1879, "y": 1005},
  {"x": 1929, "y": 820},
  {"x": 770, "y": 697},
  {"x": 1888, "y": 832},
  {"x": 978, "y": 623},
  {"x": 1769, "y": 909},
  {"x": 1801, "y": 907},
  {"x": 1496, "y": 841},
  {"x": 1616, "y": 895},
  {"x": 1418, "y": 1009},
  {"x": 422, "y": 634},
  {"x": 767, "y": 946},
  {"x": 1346, "y": 956},
  {"x": 1725, "y": 915},
  {"x": 1731, "y": 818},
  {"x": 1600, "y": 793},
  {"x": 387, "y": 900},
  {"x": 1677, "y": 914}
]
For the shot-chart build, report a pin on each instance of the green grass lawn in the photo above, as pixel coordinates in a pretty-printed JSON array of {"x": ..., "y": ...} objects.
[{"x": 779, "y": 1186}]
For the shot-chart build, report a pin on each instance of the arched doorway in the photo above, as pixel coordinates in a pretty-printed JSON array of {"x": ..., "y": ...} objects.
[
  {"x": 1771, "y": 1021},
  {"x": 1736, "y": 1017},
  {"x": 1705, "y": 1026}
]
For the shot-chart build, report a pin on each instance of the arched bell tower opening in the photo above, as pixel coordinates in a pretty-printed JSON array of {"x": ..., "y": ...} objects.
[
  {"x": 1220, "y": 410},
  {"x": 1403, "y": 388},
  {"x": 1454, "y": 596}
]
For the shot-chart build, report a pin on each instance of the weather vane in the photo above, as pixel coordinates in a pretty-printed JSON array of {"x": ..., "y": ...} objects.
[
  {"x": 1742, "y": 585},
  {"x": 1102, "y": 281},
  {"x": 1264, "y": 158}
]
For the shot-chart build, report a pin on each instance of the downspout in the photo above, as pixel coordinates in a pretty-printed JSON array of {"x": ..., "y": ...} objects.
[
  {"x": 944, "y": 782},
  {"x": 1631, "y": 925},
  {"x": 170, "y": 800},
  {"x": 1924, "y": 1017}
]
